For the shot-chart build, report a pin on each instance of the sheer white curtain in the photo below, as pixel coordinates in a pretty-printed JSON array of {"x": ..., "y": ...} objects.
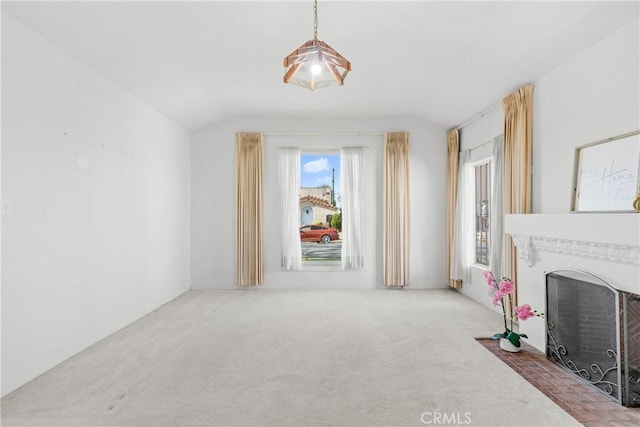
[
  {"x": 289, "y": 183},
  {"x": 462, "y": 254},
  {"x": 352, "y": 193},
  {"x": 496, "y": 214}
]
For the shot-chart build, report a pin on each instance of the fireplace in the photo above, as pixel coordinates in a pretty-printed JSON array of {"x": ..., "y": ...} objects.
[{"x": 593, "y": 331}]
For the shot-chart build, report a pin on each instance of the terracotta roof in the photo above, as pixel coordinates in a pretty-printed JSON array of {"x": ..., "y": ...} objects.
[{"x": 318, "y": 201}]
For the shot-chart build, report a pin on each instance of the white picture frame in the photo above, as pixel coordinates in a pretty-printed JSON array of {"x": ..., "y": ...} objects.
[{"x": 605, "y": 177}]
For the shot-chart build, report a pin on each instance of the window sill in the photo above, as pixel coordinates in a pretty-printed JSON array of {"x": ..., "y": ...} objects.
[{"x": 322, "y": 266}]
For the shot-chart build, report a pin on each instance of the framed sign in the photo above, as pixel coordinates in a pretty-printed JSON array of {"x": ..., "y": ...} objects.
[{"x": 605, "y": 177}]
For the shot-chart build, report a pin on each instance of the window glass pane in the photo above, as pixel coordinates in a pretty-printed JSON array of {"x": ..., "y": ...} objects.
[
  {"x": 482, "y": 205},
  {"x": 320, "y": 213}
]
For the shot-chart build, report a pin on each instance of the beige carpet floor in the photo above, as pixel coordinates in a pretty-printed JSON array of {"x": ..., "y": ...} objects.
[{"x": 291, "y": 358}]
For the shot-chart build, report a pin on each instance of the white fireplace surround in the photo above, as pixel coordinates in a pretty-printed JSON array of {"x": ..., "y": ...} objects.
[{"x": 604, "y": 244}]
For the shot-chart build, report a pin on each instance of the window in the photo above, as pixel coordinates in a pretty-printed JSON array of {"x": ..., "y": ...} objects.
[
  {"x": 482, "y": 213},
  {"x": 320, "y": 213},
  {"x": 332, "y": 168}
]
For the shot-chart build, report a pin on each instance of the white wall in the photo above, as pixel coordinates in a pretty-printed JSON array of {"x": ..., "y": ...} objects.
[
  {"x": 85, "y": 251},
  {"x": 591, "y": 96},
  {"x": 213, "y": 203}
]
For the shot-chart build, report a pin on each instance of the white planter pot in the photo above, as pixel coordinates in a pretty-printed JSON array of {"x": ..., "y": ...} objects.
[{"x": 506, "y": 345}]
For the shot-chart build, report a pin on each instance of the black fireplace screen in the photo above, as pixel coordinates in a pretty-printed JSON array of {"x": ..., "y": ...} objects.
[{"x": 590, "y": 335}]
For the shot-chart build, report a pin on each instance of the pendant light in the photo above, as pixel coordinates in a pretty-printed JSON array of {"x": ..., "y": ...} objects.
[{"x": 315, "y": 64}]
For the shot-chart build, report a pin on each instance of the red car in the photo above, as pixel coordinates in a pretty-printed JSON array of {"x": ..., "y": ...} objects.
[{"x": 318, "y": 233}]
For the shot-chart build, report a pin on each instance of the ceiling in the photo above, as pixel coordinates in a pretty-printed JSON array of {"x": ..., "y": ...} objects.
[{"x": 202, "y": 62}]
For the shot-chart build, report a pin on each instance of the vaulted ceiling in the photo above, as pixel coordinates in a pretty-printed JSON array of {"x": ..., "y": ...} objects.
[{"x": 201, "y": 62}]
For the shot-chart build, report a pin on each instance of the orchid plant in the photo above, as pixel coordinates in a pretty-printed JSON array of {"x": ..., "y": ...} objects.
[{"x": 504, "y": 295}]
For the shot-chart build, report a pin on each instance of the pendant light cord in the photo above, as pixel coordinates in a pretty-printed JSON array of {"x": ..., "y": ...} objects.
[{"x": 315, "y": 20}]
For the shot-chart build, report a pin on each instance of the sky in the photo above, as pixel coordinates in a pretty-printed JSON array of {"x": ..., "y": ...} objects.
[{"x": 315, "y": 170}]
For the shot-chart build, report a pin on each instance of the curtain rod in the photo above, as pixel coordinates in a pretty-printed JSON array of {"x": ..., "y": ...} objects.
[
  {"x": 483, "y": 113},
  {"x": 322, "y": 133},
  {"x": 478, "y": 116}
]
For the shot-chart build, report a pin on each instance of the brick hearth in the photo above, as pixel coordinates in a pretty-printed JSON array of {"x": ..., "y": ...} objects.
[{"x": 580, "y": 400}]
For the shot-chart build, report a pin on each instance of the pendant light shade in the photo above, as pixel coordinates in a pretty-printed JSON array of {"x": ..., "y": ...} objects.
[{"x": 315, "y": 64}]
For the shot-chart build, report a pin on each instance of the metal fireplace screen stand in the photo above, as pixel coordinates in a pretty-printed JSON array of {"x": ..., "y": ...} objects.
[{"x": 593, "y": 331}]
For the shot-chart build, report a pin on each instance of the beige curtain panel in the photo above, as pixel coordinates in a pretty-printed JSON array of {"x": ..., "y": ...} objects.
[
  {"x": 249, "y": 230},
  {"x": 453, "y": 155},
  {"x": 396, "y": 210},
  {"x": 518, "y": 127}
]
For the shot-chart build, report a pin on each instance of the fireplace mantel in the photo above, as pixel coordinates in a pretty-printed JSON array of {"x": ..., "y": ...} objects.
[
  {"x": 609, "y": 237},
  {"x": 606, "y": 245}
]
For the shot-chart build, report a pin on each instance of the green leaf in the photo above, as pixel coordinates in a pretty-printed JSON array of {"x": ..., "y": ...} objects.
[
  {"x": 514, "y": 339},
  {"x": 498, "y": 336},
  {"x": 523, "y": 336}
]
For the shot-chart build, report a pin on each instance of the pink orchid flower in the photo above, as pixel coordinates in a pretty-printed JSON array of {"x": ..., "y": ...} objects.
[
  {"x": 496, "y": 297},
  {"x": 524, "y": 312},
  {"x": 491, "y": 281},
  {"x": 506, "y": 287}
]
